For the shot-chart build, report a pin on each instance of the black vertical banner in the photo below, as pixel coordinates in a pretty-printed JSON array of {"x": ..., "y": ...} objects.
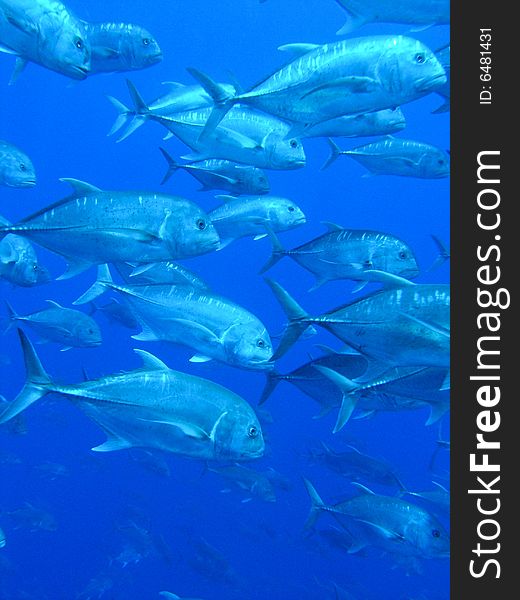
[{"x": 484, "y": 332}]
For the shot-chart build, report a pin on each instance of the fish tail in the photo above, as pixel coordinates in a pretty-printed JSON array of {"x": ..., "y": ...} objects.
[
  {"x": 298, "y": 318},
  {"x": 37, "y": 383},
  {"x": 123, "y": 114},
  {"x": 316, "y": 507},
  {"x": 354, "y": 21},
  {"x": 335, "y": 151},
  {"x": 172, "y": 165},
  {"x": 222, "y": 99},
  {"x": 141, "y": 112},
  {"x": 277, "y": 252},
  {"x": 442, "y": 257},
  {"x": 7, "y": 323},
  {"x": 348, "y": 389},
  {"x": 272, "y": 380},
  {"x": 103, "y": 279}
]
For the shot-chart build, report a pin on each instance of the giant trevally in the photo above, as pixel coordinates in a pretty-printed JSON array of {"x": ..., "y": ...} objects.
[
  {"x": 349, "y": 254},
  {"x": 407, "y": 12},
  {"x": 341, "y": 78},
  {"x": 117, "y": 47},
  {"x": 66, "y": 326},
  {"x": 397, "y": 156},
  {"x": 153, "y": 407},
  {"x": 169, "y": 273},
  {"x": 18, "y": 262},
  {"x": 44, "y": 32},
  {"x": 379, "y": 122},
  {"x": 252, "y": 215},
  {"x": 212, "y": 325},
  {"x": 387, "y": 522},
  {"x": 438, "y": 498},
  {"x": 218, "y": 174},
  {"x": 400, "y": 326},
  {"x": 178, "y": 99},
  {"x": 250, "y": 480},
  {"x": 93, "y": 226},
  {"x": 16, "y": 168}
]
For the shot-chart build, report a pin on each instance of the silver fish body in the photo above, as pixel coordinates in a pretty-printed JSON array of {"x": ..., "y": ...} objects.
[
  {"x": 47, "y": 33},
  {"x": 380, "y": 122}
]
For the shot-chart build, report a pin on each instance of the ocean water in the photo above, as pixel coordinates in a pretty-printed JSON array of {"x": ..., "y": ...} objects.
[{"x": 115, "y": 528}]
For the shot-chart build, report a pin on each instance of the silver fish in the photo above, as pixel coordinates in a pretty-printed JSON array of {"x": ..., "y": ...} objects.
[
  {"x": 16, "y": 168},
  {"x": 252, "y": 215},
  {"x": 341, "y": 78},
  {"x": 397, "y": 156},
  {"x": 168, "y": 273},
  {"x": 379, "y": 122},
  {"x": 153, "y": 407},
  {"x": 93, "y": 226},
  {"x": 406, "y": 12},
  {"x": 349, "y": 254},
  {"x": 254, "y": 482},
  {"x": 44, "y": 32},
  {"x": 18, "y": 262},
  {"x": 118, "y": 47},
  {"x": 214, "y": 326},
  {"x": 32, "y": 518},
  {"x": 218, "y": 174},
  {"x": 387, "y": 522},
  {"x": 66, "y": 326}
]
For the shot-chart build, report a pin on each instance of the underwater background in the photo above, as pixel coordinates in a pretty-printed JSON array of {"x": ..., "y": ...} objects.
[{"x": 123, "y": 525}]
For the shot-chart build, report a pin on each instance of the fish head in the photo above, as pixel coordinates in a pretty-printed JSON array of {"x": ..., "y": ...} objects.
[
  {"x": 436, "y": 164},
  {"x": 399, "y": 259},
  {"x": 407, "y": 65},
  {"x": 256, "y": 181},
  {"x": 189, "y": 231},
  {"x": 285, "y": 214},
  {"x": 238, "y": 435},
  {"x": 139, "y": 47},
  {"x": 263, "y": 488},
  {"x": 391, "y": 119},
  {"x": 18, "y": 261},
  {"x": 86, "y": 331},
  {"x": 248, "y": 345},
  {"x": 17, "y": 170},
  {"x": 429, "y": 536},
  {"x": 68, "y": 51},
  {"x": 284, "y": 153}
]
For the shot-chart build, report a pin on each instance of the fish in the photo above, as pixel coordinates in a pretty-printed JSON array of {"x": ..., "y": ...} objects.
[
  {"x": 349, "y": 254},
  {"x": 65, "y": 326},
  {"x": 357, "y": 466},
  {"x": 408, "y": 12},
  {"x": 250, "y": 480},
  {"x": 169, "y": 273},
  {"x": 397, "y": 156},
  {"x": 19, "y": 263},
  {"x": 51, "y": 470},
  {"x": 348, "y": 77},
  {"x": 439, "y": 497},
  {"x": 153, "y": 407},
  {"x": 93, "y": 226},
  {"x": 218, "y": 174},
  {"x": 444, "y": 91},
  {"x": 151, "y": 461},
  {"x": 44, "y": 32},
  {"x": 252, "y": 215},
  {"x": 32, "y": 518},
  {"x": 407, "y": 325},
  {"x": 387, "y": 522},
  {"x": 379, "y": 122},
  {"x": 119, "y": 47},
  {"x": 212, "y": 325},
  {"x": 16, "y": 168},
  {"x": 178, "y": 99},
  {"x": 117, "y": 312}
]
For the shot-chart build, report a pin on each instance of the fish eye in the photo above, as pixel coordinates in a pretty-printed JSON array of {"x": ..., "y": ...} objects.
[
  {"x": 79, "y": 44},
  {"x": 260, "y": 344},
  {"x": 290, "y": 208},
  {"x": 252, "y": 432},
  {"x": 35, "y": 267},
  {"x": 368, "y": 264},
  {"x": 441, "y": 161},
  {"x": 146, "y": 42},
  {"x": 293, "y": 143},
  {"x": 23, "y": 167},
  {"x": 402, "y": 254},
  {"x": 201, "y": 224},
  {"x": 419, "y": 58},
  {"x": 436, "y": 533},
  {"x": 261, "y": 179}
]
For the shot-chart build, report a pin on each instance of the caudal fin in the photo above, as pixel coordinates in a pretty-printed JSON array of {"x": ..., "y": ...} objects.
[
  {"x": 348, "y": 401},
  {"x": 335, "y": 151},
  {"x": 140, "y": 112},
  {"x": 272, "y": 380},
  {"x": 316, "y": 507},
  {"x": 37, "y": 382},
  {"x": 277, "y": 252},
  {"x": 442, "y": 257},
  {"x": 103, "y": 279},
  {"x": 172, "y": 165}
]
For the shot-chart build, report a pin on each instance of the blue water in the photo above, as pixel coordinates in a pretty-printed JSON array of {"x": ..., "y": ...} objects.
[{"x": 102, "y": 499}]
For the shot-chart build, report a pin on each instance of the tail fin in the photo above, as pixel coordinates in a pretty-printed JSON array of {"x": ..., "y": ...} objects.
[
  {"x": 277, "y": 252},
  {"x": 349, "y": 400},
  {"x": 122, "y": 117},
  {"x": 36, "y": 384},
  {"x": 172, "y": 166},
  {"x": 272, "y": 380},
  {"x": 222, "y": 99},
  {"x": 10, "y": 321},
  {"x": 335, "y": 151},
  {"x": 444, "y": 254},
  {"x": 316, "y": 506},
  {"x": 98, "y": 287},
  {"x": 141, "y": 112},
  {"x": 298, "y": 319}
]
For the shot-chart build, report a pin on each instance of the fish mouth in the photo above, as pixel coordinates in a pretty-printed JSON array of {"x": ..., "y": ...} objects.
[
  {"x": 432, "y": 82},
  {"x": 155, "y": 58},
  {"x": 409, "y": 273},
  {"x": 300, "y": 221},
  {"x": 261, "y": 365},
  {"x": 26, "y": 183},
  {"x": 79, "y": 72}
]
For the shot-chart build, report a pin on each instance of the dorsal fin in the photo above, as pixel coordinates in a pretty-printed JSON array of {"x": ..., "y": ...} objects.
[
  {"x": 363, "y": 488},
  {"x": 332, "y": 226},
  {"x": 80, "y": 187},
  {"x": 151, "y": 362}
]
